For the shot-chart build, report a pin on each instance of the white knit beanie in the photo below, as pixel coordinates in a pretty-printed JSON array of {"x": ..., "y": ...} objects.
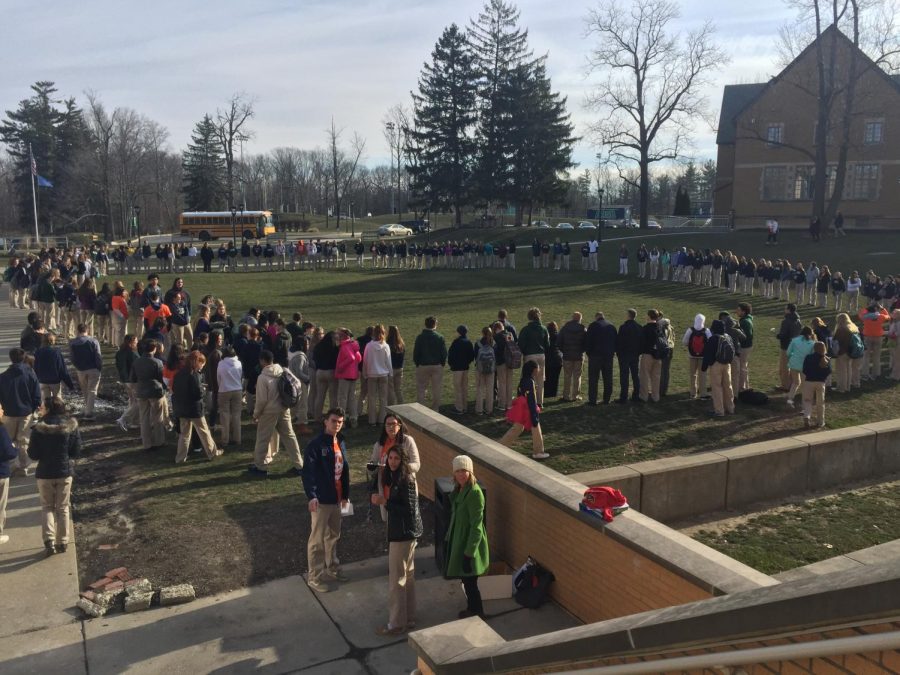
[{"x": 463, "y": 462}]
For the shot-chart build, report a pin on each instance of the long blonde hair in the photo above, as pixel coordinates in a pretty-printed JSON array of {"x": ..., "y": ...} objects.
[{"x": 843, "y": 321}]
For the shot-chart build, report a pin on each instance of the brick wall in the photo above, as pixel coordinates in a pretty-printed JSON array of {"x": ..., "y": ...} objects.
[{"x": 597, "y": 577}]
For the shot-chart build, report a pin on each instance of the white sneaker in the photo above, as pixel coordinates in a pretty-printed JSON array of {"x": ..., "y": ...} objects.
[
  {"x": 790, "y": 402},
  {"x": 121, "y": 423},
  {"x": 4, "y": 538}
]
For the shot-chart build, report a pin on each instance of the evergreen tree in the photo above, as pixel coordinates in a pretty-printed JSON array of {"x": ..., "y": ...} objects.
[
  {"x": 444, "y": 117},
  {"x": 682, "y": 202},
  {"x": 499, "y": 49},
  {"x": 541, "y": 138},
  {"x": 204, "y": 169},
  {"x": 55, "y": 134}
]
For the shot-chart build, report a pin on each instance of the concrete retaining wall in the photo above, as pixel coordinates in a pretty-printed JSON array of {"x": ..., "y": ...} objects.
[{"x": 676, "y": 488}]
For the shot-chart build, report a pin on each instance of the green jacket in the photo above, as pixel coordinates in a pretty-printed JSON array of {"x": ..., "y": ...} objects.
[
  {"x": 466, "y": 535},
  {"x": 430, "y": 349},
  {"x": 746, "y": 325},
  {"x": 534, "y": 339}
]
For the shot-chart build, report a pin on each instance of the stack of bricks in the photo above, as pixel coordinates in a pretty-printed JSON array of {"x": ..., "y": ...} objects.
[{"x": 104, "y": 594}]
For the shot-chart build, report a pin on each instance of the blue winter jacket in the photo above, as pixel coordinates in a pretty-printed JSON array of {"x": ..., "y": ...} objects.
[
  {"x": 318, "y": 469},
  {"x": 50, "y": 367},
  {"x": 7, "y": 452},
  {"x": 20, "y": 392}
]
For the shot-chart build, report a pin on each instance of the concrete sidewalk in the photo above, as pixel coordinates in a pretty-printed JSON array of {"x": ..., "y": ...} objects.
[{"x": 279, "y": 627}]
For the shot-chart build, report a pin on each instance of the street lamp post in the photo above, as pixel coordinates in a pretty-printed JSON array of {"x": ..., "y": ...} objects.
[
  {"x": 241, "y": 209},
  {"x": 233, "y": 238},
  {"x": 137, "y": 222},
  {"x": 352, "y": 221},
  {"x": 600, "y": 216},
  {"x": 390, "y": 127}
]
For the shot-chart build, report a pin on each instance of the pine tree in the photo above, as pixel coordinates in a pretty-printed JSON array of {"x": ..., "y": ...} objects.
[
  {"x": 55, "y": 136},
  {"x": 541, "y": 137},
  {"x": 204, "y": 169},
  {"x": 444, "y": 117},
  {"x": 499, "y": 49}
]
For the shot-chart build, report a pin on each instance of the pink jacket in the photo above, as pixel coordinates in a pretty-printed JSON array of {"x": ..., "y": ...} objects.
[{"x": 348, "y": 361}]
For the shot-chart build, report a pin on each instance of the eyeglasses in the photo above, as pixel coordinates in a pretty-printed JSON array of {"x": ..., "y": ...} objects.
[{"x": 392, "y": 424}]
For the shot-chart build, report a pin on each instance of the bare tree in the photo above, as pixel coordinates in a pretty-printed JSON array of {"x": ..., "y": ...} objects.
[
  {"x": 651, "y": 94},
  {"x": 100, "y": 128},
  {"x": 396, "y": 125},
  {"x": 231, "y": 128},
  {"x": 343, "y": 165},
  {"x": 851, "y": 38}
]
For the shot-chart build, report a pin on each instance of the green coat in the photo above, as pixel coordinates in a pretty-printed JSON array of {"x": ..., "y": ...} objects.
[{"x": 466, "y": 535}]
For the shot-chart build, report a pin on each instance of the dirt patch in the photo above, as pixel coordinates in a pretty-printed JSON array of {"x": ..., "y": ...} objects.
[{"x": 203, "y": 523}]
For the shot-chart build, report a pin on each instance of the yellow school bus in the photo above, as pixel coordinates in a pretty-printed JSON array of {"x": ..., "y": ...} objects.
[{"x": 206, "y": 225}]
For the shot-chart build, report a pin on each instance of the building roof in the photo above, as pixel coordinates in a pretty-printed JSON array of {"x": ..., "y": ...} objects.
[{"x": 734, "y": 99}]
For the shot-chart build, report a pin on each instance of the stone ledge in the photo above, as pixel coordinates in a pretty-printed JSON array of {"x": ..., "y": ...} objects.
[
  {"x": 759, "y": 472},
  {"x": 442, "y": 643},
  {"x": 678, "y": 487}
]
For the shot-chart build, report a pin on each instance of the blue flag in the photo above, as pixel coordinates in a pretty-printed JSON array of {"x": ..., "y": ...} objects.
[{"x": 43, "y": 182}]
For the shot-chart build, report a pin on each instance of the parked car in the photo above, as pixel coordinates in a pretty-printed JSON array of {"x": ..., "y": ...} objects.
[
  {"x": 585, "y": 225},
  {"x": 653, "y": 225},
  {"x": 540, "y": 223},
  {"x": 565, "y": 226},
  {"x": 394, "y": 230},
  {"x": 611, "y": 224}
]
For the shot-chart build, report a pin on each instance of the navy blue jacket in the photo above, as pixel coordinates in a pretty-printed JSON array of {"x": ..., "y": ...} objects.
[
  {"x": 20, "y": 392},
  {"x": 50, "y": 367},
  {"x": 85, "y": 353},
  {"x": 318, "y": 469},
  {"x": 7, "y": 452}
]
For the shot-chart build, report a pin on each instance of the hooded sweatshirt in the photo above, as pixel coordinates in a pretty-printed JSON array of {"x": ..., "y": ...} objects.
[
  {"x": 267, "y": 400},
  {"x": 699, "y": 325}
]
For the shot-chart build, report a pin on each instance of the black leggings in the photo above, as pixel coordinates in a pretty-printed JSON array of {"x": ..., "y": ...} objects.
[{"x": 473, "y": 595}]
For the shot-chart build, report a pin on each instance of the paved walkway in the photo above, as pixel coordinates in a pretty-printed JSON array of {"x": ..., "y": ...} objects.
[{"x": 278, "y": 627}]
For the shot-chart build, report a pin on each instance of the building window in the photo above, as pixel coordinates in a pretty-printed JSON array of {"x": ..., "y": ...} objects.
[
  {"x": 863, "y": 181},
  {"x": 874, "y": 132},
  {"x": 803, "y": 183},
  {"x": 774, "y": 135},
  {"x": 774, "y": 183}
]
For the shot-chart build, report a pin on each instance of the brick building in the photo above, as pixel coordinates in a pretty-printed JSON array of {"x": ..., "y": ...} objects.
[{"x": 766, "y": 145}]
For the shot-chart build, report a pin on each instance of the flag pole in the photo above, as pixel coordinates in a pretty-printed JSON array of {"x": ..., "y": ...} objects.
[{"x": 37, "y": 235}]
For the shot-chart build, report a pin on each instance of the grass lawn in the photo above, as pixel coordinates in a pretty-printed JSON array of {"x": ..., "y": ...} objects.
[
  {"x": 206, "y": 524},
  {"x": 810, "y": 531}
]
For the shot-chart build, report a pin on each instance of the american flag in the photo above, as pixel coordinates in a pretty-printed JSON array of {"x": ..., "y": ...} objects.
[{"x": 33, "y": 162}]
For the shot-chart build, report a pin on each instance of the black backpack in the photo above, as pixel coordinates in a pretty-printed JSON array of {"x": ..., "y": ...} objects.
[
  {"x": 532, "y": 584},
  {"x": 724, "y": 350},
  {"x": 752, "y": 397},
  {"x": 661, "y": 349},
  {"x": 288, "y": 389}
]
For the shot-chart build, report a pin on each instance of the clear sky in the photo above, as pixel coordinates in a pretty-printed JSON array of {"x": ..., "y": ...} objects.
[{"x": 308, "y": 60}]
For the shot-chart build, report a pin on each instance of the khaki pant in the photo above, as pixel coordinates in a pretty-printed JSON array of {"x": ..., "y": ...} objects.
[
  {"x": 86, "y": 317},
  {"x": 88, "y": 381},
  {"x": 537, "y": 438},
  {"x": 540, "y": 360},
  {"x": 69, "y": 320},
  {"x": 572, "y": 379},
  {"x": 118, "y": 329},
  {"x": 484, "y": 393},
  {"x": 4, "y": 496},
  {"x": 871, "y": 360},
  {"x": 814, "y": 402},
  {"x": 796, "y": 382},
  {"x": 429, "y": 377},
  {"x": 648, "y": 376},
  {"x": 103, "y": 328},
  {"x": 47, "y": 314},
  {"x": 132, "y": 414},
  {"x": 460, "y": 390},
  {"x": 19, "y": 430},
  {"x": 783, "y": 375},
  {"x": 722, "y": 391},
  {"x": 48, "y": 391},
  {"x": 187, "y": 425},
  {"x": 504, "y": 386},
  {"x": 300, "y": 412},
  {"x": 176, "y": 335},
  {"x": 697, "y": 377},
  {"x": 378, "y": 398},
  {"x": 395, "y": 387},
  {"x": 270, "y": 423},
  {"x": 137, "y": 319},
  {"x": 152, "y": 413},
  {"x": 847, "y": 373},
  {"x": 346, "y": 399},
  {"x": 20, "y": 296},
  {"x": 325, "y": 385},
  {"x": 54, "y": 493},
  {"x": 401, "y": 583},
  {"x": 743, "y": 377},
  {"x": 230, "y": 415},
  {"x": 325, "y": 531}
]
